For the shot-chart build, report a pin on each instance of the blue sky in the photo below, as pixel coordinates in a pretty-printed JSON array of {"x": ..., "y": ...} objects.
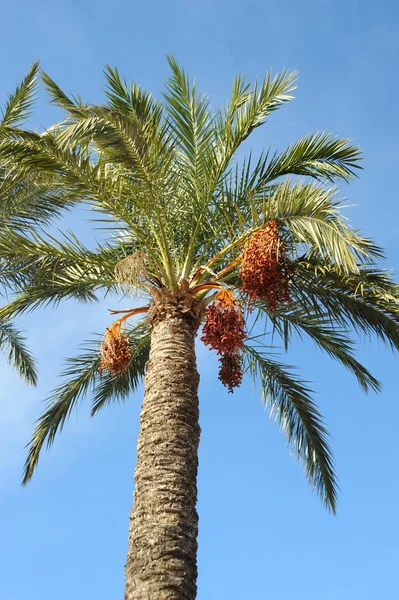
[{"x": 263, "y": 533}]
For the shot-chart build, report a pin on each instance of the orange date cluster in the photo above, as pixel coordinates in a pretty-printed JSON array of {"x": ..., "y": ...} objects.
[
  {"x": 264, "y": 269},
  {"x": 116, "y": 352},
  {"x": 224, "y": 331}
]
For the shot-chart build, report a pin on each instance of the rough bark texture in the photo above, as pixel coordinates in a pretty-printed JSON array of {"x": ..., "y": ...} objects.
[{"x": 161, "y": 561}]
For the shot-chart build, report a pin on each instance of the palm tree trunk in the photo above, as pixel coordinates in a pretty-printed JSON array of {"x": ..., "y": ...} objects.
[{"x": 161, "y": 560}]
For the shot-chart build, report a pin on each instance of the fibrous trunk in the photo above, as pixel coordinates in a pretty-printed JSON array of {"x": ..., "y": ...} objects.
[{"x": 161, "y": 561}]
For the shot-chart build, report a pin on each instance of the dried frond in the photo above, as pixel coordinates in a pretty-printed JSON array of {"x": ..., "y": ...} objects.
[{"x": 131, "y": 271}]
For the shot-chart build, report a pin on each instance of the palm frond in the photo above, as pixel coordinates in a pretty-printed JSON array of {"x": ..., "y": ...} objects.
[
  {"x": 81, "y": 181},
  {"x": 193, "y": 127},
  {"x": 330, "y": 338},
  {"x": 290, "y": 403},
  {"x": 60, "y": 98},
  {"x": 318, "y": 155},
  {"x": 312, "y": 214},
  {"x": 134, "y": 102},
  {"x": 367, "y": 301},
  {"x": 249, "y": 108},
  {"x": 27, "y": 199},
  {"x": 43, "y": 154},
  {"x": 81, "y": 377},
  {"x": 17, "y": 354},
  {"x": 19, "y": 104},
  {"x": 48, "y": 268}
]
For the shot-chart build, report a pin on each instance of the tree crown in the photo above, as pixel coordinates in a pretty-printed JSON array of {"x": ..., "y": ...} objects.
[{"x": 186, "y": 215}]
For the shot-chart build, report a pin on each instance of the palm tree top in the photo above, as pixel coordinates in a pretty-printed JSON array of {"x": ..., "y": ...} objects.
[{"x": 165, "y": 178}]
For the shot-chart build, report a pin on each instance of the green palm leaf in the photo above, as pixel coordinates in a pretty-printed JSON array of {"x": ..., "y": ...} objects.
[
  {"x": 328, "y": 337},
  {"x": 289, "y": 401},
  {"x": 81, "y": 376},
  {"x": 50, "y": 271},
  {"x": 367, "y": 301},
  {"x": 19, "y": 104},
  {"x": 318, "y": 155},
  {"x": 13, "y": 345},
  {"x": 249, "y": 108}
]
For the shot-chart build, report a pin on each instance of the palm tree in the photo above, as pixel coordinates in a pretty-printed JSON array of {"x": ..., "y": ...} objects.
[
  {"x": 202, "y": 237},
  {"x": 24, "y": 201}
]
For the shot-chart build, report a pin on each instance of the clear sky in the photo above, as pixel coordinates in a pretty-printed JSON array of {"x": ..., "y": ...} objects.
[{"x": 263, "y": 532}]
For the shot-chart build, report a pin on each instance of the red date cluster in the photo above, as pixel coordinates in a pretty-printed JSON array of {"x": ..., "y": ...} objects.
[
  {"x": 224, "y": 328},
  {"x": 264, "y": 270},
  {"x": 116, "y": 353},
  {"x": 224, "y": 331},
  {"x": 230, "y": 372}
]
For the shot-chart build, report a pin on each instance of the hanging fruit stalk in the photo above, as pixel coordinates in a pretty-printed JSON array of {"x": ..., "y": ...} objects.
[
  {"x": 116, "y": 353},
  {"x": 224, "y": 328},
  {"x": 230, "y": 372},
  {"x": 224, "y": 331},
  {"x": 264, "y": 269}
]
